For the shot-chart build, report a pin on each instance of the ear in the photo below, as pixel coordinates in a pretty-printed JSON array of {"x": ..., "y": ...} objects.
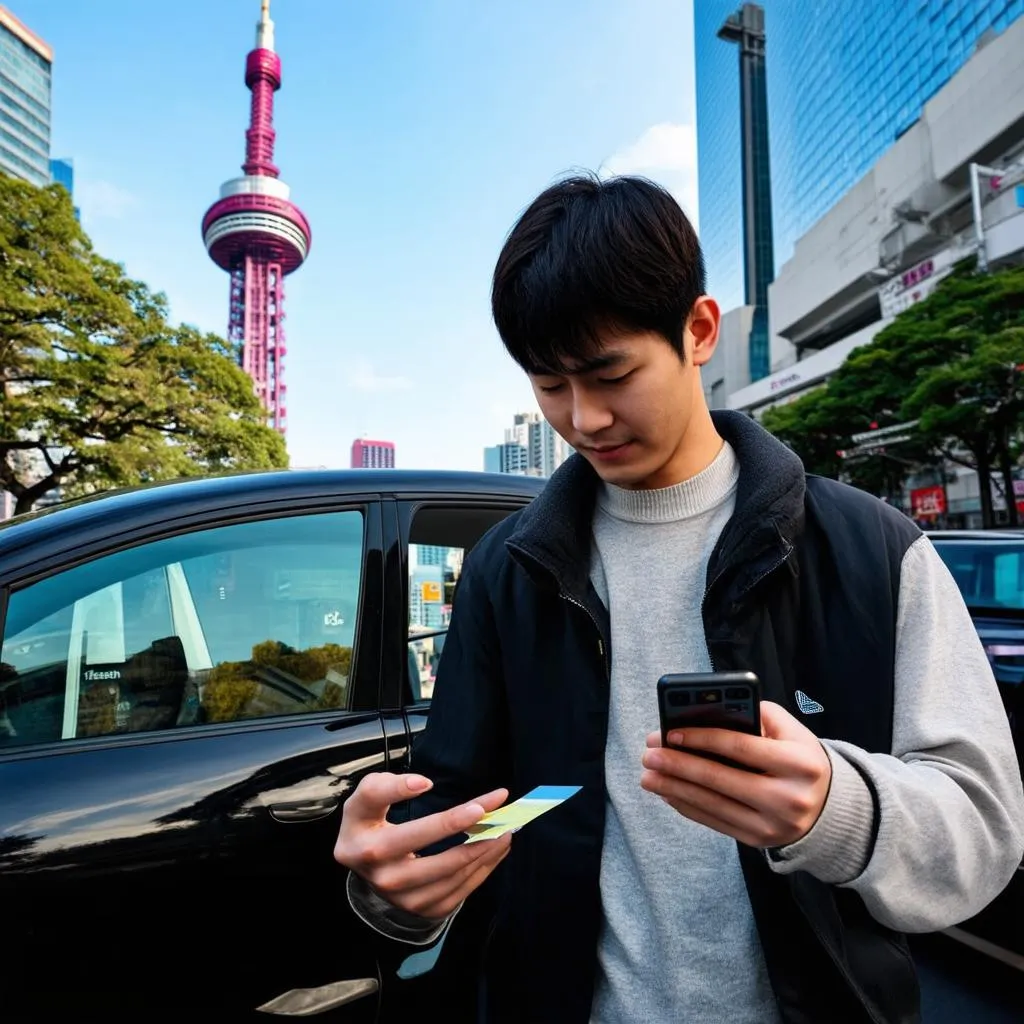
[{"x": 702, "y": 326}]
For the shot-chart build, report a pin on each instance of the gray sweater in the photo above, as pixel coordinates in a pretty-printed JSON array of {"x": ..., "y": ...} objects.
[{"x": 678, "y": 942}]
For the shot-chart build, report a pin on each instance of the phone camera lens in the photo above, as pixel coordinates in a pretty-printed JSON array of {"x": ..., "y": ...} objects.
[
  {"x": 738, "y": 693},
  {"x": 679, "y": 698},
  {"x": 710, "y": 696}
]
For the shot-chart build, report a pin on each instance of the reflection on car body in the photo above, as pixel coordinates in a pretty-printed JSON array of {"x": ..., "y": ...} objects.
[{"x": 193, "y": 676}]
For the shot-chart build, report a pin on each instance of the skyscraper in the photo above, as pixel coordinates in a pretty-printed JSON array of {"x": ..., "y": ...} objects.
[
  {"x": 373, "y": 454},
  {"x": 26, "y": 66},
  {"x": 745, "y": 28},
  {"x": 258, "y": 235},
  {"x": 845, "y": 79},
  {"x": 508, "y": 457},
  {"x": 531, "y": 447}
]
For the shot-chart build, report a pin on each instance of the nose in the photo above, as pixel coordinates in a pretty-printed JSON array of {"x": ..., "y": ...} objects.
[{"x": 590, "y": 415}]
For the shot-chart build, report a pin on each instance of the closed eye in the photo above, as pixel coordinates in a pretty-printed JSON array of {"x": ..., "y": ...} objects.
[
  {"x": 550, "y": 389},
  {"x": 616, "y": 380}
]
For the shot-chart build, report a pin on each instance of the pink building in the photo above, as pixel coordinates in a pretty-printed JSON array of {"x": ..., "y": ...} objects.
[{"x": 373, "y": 454}]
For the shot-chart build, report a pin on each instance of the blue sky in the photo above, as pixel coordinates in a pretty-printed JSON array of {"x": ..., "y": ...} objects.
[{"x": 412, "y": 133}]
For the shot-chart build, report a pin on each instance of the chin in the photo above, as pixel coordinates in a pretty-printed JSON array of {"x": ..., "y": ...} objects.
[{"x": 630, "y": 475}]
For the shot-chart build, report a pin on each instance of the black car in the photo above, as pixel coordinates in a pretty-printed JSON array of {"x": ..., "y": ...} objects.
[
  {"x": 192, "y": 677},
  {"x": 988, "y": 568}
]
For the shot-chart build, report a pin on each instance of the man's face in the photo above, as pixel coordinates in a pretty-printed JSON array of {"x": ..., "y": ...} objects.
[{"x": 627, "y": 408}]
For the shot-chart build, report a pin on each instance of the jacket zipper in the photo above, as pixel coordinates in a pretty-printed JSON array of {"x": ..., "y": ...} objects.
[{"x": 600, "y": 637}]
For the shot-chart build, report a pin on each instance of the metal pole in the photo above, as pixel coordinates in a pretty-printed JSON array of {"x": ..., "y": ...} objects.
[{"x": 979, "y": 227}]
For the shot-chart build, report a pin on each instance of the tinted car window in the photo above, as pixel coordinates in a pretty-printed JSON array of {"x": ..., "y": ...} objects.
[
  {"x": 434, "y": 571},
  {"x": 440, "y": 539},
  {"x": 238, "y": 622},
  {"x": 990, "y": 574}
]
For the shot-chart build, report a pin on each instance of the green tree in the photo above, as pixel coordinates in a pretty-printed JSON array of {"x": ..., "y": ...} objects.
[
  {"x": 99, "y": 389},
  {"x": 951, "y": 362},
  {"x": 975, "y": 405},
  {"x": 816, "y": 427},
  {"x": 809, "y": 425}
]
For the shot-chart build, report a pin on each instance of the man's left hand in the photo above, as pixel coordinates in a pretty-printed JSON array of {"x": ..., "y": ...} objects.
[{"x": 772, "y": 809}]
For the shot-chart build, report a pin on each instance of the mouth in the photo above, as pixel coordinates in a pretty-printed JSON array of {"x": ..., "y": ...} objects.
[{"x": 610, "y": 452}]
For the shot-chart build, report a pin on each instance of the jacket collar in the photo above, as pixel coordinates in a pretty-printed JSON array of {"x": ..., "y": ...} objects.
[{"x": 554, "y": 532}]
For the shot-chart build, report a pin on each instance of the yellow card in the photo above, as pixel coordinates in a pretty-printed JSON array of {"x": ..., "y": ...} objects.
[{"x": 512, "y": 817}]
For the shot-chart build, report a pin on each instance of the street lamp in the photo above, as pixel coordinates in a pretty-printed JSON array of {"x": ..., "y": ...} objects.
[{"x": 996, "y": 177}]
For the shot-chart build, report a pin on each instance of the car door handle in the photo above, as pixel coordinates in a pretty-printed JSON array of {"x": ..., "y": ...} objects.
[
  {"x": 307, "y": 1002},
  {"x": 304, "y": 810}
]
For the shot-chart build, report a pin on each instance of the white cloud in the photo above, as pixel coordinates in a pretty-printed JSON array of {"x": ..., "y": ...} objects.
[
  {"x": 365, "y": 378},
  {"x": 666, "y": 153},
  {"x": 103, "y": 200}
]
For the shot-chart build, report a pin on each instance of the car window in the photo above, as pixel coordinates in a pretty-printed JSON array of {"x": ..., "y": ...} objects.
[
  {"x": 990, "y": 574},
  {"x": 238, "y": 622},
  {"x": 440, "y": 538},
  {"x": 434, "y": 570}
]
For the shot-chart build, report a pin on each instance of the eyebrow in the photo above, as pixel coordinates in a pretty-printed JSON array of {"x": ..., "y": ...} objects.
[{"x": 595, "y": 363}]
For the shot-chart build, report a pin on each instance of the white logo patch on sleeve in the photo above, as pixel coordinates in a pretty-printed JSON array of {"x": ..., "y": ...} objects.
[{"x": 807, "y": 705}]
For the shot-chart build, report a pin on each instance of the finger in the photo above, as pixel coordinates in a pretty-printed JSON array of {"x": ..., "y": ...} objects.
[
  {"x": 407, "y": 874},
  {"x": 456, "y": 881},
  {"x": 397, "y": 841},
  {"x": 372, "y": 798},
  {"x": 440, "y": 906},
  {"x": 745, "y": 787},
  {"x": 709, "y": 801},
  {"x": 775, "y": 757},
  {"x": 712, "y": 809},
  {"x": 726, "y": 828},
  {"x": 654, "y": 739}
]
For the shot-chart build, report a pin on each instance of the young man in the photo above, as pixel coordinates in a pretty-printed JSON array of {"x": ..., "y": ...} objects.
[{"x": 886, "y": 797}]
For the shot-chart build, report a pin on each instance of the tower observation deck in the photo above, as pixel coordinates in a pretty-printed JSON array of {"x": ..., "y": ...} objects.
[{"x": 255, "y": 233}]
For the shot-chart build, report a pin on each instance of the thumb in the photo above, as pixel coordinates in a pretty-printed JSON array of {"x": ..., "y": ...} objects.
[{"x": 778, "y": 724}]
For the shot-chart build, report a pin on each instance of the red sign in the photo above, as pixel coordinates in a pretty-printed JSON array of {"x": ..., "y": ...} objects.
[{"x": 928, "y": 502}]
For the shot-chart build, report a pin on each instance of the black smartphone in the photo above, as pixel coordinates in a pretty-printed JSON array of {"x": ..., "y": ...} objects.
[{"x": 714, "y": 700}]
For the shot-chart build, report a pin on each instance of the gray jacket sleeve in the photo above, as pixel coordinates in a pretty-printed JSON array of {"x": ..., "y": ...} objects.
[{"x": 950, "y": 828}]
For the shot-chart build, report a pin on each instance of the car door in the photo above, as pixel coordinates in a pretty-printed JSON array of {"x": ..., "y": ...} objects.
[
  {"x": 182, "y": 716},
  {"x": 431, "y": 536}
]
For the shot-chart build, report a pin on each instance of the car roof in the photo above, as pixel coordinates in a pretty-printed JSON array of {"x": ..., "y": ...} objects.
[
  {"x": 167, "y": 500},
  {"x": 973, "y": 535}
]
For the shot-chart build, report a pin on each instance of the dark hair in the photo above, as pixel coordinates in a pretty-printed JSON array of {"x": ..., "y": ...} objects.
[{"x": 589, "y": 255}]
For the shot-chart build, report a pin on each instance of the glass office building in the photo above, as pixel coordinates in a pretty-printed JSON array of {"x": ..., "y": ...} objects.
[
  {"x": 26, "y": 64},
  {"x": 845, "y": 79}
]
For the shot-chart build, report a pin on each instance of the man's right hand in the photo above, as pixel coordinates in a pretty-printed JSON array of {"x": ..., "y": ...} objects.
[{"x": 384, "y": 854}]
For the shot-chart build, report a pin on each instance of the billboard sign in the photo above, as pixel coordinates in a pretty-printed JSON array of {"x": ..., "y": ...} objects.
[{"x": 928, "y": 502}]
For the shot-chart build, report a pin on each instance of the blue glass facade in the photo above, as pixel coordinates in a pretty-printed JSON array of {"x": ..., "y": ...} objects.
[
  {"x": 719, "y": 156},
  {"x": 845, "y": 79},
  {"x": 25, "y": 91},
  {"x": 62, "y": 172}
]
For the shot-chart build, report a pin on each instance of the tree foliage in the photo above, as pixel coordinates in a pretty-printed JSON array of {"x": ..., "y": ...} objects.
[
  {"x": 99, "y": 389},
  {"x": 952, "y": 362}
]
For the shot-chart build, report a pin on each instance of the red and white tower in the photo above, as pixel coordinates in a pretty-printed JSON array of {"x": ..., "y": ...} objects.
[{"x": 258, "y": 235}]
